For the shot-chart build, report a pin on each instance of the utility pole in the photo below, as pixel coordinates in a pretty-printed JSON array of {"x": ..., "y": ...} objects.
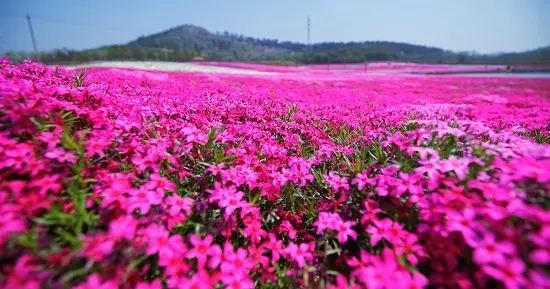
[
  {"x": 32, "y": 37},
  {"x": 308, "y": 34}
]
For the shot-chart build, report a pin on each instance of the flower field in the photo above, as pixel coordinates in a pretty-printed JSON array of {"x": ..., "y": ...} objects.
[{"x": 184, "y": 180}]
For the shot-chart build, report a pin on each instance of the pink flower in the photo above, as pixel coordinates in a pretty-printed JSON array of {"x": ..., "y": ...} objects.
[
  {"x": 201, "y": 249},
  {"x": 94, "y": 282},
  {"x": 237, "y": 282},
  {"x": 60, "y": 155},
  {"x": 345, "y": 231},
  {"x": 97, "y": 247},
  {"x": 176, "y": 204},
  {"x": 47, "y": 184},
  {"x": 10, "y": 223},
  {"x": 254, "y": 232},
  {"x": 286, "y": 226},
  {"x": 302, "y": 174},
  {"x": 541, "y": 255},
  {"x": 342, "y": 283},
  {"x": 489, "y": 250},
  {"x": 408, "y": 182},
  {"x": 510, "y": 273},
  {"x": 362, "y": 180},
  {"x": 456, "y": 165},
  {"x": 326, "y": 221},
  {"x": 385, "y": 229},
  {"x": 235, "y": 263},
  {"x": 153, "y": 285},
  {"x": 159, "y": 241},
  {"x": 123, "y": 228},
  {"x": 410, "y": 249},
  {"x": 159, "y": 184},
  {"x": 338, "y": 183},
  {"x": 465, "y": 223},
  {"x": 299, "y": 253},
  {"x": 142, "y": 199},
  {"x": 199, "y": 280},
  {"x": 193, "y": 135},
  {"x": 275, "y": 247}
]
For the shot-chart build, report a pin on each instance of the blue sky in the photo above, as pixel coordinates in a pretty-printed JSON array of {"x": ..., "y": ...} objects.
[{"x": 460, "y": 25}]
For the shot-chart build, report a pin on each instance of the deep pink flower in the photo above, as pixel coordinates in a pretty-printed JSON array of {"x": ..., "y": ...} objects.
[
  {"x": 236, "y": 263},
  {"x": 159, "y": 241},
  {"x": 237, "y": 282},
  {"x": 159, "y": 184},
  {"x": 254, "y": 232},
  {"x": 488, "y": 250},
  {"x": 94, "y": 282},
  {"x": 201, "y": 249},
  {"x": 384, "y": 229},
  {"x": 345, "y": 231},
  {"x": 302, "y": 174},
  {"x": 142, "y": 199},
  {"x": 337, "y": 183},
  {"x": 177, "y": 204},
  {"x": 465, "y": 223},
  {"x": 510, "y": 273},
  {"x": 156, "y": 284},
  {"x": 299, "y": 253},
  {"x": 275, "y": 247},
  {"x": 362, "y": 180},
  {"x": 408, "y": 182},
  {"x": 123, "y": 228}
]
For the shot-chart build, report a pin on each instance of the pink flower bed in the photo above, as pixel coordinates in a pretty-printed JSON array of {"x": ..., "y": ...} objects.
[
  {"x": 172, "y": 180},
  {"x": 386, "y": 67}
]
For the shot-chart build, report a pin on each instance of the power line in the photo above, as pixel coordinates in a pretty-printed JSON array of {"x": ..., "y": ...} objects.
[{"x": 60, "y": 21}]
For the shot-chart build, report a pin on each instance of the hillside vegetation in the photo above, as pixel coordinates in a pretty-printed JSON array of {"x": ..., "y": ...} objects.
[{"x": 188, "y": 42}]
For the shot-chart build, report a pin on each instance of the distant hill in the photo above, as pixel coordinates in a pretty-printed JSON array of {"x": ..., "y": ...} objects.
[
  {"x": 233, "y": 47},
  {"x": 224, "y": 47},
  {"x": 190, "y": 42}
]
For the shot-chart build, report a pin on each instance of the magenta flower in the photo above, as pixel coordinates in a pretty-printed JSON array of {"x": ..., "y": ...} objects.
[
  {"x": 464, "y": 223},
  {"x": 123, "y": 228},
  {"x": 159, "y": 184},
  {"x": 159, "y": 241},
  {"x": 237, "y": 282},
  {"x": 345, "y": 231},
  {"x": 456, "y": 165},
  {"x": 302, "y": 174},
  {"x": 254, "y": 232},
  {"x": 488, "y": 250},
  {"x": 385, "y": 229},
  {"x": 47, "y": 184},
  {"x": 94, "y": 282},
  {"x": 510, "y": 274},
  {"x": 142, "y": 199},
  {"x": 286, "y": 226},
  {"x": 410, "y": 248},
  {"x": 275, "y": 247},
  {"x": 201, "y": 249},
  {"x": 337, "y": 183},
  {"x": 236, "y": 263},
  {"x": 408, "y": 182},
  {"x": 299, "y": 253},
  {"x": 362, "y": 180},
  {"x": 156, "y": 284},
  {"x": 177, "y": 204},
  {"x": 541, "y": 255}
]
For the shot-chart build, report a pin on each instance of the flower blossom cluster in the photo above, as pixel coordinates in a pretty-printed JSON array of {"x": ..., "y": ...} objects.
[{"x": 179, "y": 180}]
